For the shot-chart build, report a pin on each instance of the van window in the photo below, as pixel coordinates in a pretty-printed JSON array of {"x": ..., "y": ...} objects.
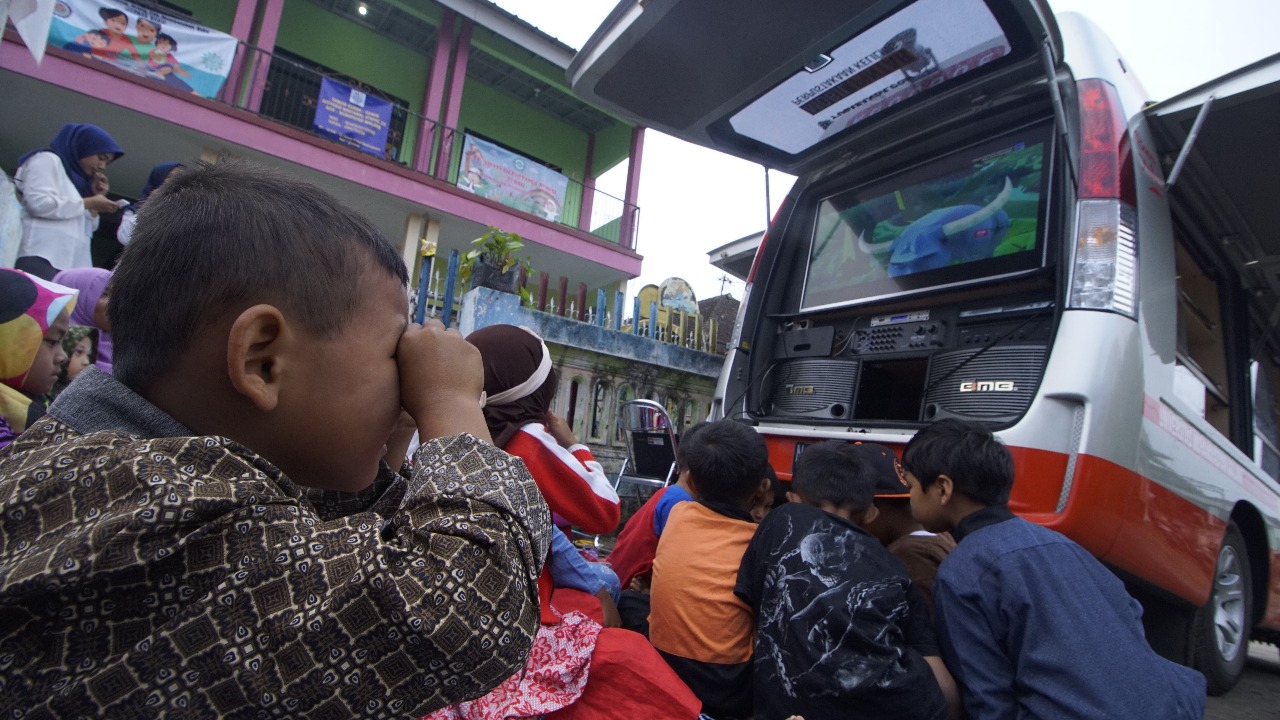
[
  {"x": 1265, "y": 373},
  {"x": 1200, "y": 378},
  {"x": 920, "y": 48}
]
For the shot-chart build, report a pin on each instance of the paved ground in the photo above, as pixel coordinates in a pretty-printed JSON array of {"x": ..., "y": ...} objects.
[{"x": 1257, "y": 696}]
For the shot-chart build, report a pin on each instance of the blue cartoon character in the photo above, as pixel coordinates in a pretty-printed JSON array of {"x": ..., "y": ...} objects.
[{"x": 951, "y": 235}]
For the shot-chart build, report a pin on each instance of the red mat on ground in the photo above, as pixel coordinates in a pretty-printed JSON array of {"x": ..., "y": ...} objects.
[{"x": 628, "y": 678}]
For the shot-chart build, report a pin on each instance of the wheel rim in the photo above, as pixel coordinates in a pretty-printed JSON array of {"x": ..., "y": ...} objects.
[{"x": 1228, "y": 604}]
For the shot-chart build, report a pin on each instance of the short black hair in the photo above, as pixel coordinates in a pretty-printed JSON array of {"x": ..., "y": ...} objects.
[
  {"x": 830, "y": 472},
  {"x": 681, "y": 464},
  {"x": 221, "y": 237},
  {"x": 979, "y": 465},
  {"x": 167, "y": 38},
  {"x": 108, "y": 13},
  {"x": 726, "y": 460}
]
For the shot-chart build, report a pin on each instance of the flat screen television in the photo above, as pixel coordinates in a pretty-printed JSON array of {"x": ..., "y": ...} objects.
[{"x": 970, "y": 216}]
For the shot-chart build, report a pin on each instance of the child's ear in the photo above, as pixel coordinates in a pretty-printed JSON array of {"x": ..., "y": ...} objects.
[
  {"x": 869, "y": 515},
  {"x": 946, "y": 489},
  {"x": 763, "y": 494},
  {"x": 255, "y": 346},
  {"x": 794, "y": 497},
  {"x": 765, "y": 489}
]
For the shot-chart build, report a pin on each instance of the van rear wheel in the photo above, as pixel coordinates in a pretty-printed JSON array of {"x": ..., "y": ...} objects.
[{"x": 1221, "y": 630}]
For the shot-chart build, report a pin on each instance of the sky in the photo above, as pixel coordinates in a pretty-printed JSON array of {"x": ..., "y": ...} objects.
[{"x": 693, "y": 200}]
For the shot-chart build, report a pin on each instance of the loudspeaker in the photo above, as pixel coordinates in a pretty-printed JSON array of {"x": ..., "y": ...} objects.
[
  {"x": 995, "y": 386},
  {"x": 818, "y": 388}
]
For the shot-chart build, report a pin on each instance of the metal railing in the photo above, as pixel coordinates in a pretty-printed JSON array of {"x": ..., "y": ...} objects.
[
  {"x": 438, "y": 294},
  {"x": 282, "y": 89}
]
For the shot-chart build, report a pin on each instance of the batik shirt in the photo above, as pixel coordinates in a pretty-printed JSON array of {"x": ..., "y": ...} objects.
[
  {"x": 146, "y": 572},
  {"x": 840, "y": 629}
]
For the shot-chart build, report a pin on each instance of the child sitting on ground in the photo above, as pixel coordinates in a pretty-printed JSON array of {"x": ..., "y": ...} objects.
[
  {"x": 212, "y": 528},
  {"x": 80, "y": 347},
  {"x": 576, "y": 670},
  {"x": 1031, "y": 624},
  {"x": 839, "y": 624},
  {"x": 920, "y": 551},
  {"x": 632, "y": 555},
  {"x": 91, "y": 309},
  {"x": 702, "y": 629},
  {"x": 519, "y": 384},
  {"x": 33, "y": 319}
]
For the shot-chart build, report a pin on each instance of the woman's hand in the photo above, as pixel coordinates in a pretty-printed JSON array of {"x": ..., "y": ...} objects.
[
  {"x": 559, "y": 430},
  {"x": 101, "y": 184},
  {"x": 100, "y": 205}
]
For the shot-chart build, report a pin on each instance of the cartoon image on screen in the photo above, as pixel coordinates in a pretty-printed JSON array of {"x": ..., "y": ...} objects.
[{"x": 969, "y": 210}]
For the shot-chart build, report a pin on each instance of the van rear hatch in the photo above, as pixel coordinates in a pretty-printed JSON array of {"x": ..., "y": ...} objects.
[
  {"x": 794, "y": 85},
  {"x": 1225, "y": 197}
]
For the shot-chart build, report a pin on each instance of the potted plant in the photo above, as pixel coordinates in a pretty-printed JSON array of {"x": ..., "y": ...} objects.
[{"x": 492, "y": 261}]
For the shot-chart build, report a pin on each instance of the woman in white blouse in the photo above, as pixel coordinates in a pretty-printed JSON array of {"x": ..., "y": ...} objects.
[
  {"x": 159, "y": 174},
  {"x": 63, "y": 191}
]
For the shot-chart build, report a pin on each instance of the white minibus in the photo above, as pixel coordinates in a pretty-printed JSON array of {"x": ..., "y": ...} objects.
[{"x": 992, "y": 222}]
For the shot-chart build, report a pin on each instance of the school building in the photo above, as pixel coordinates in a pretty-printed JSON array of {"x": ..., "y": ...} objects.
[
  {"x": 458, "y": 118},
  {"x": 380, "y": 102}
]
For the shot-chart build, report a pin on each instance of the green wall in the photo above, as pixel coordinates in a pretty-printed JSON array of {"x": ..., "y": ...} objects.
[
  {"x": 215, "y": 14},
  {"x": 613, "y": 146},
  {"x": 316, "y": 34},
  {"x": 503, "y": 118}
]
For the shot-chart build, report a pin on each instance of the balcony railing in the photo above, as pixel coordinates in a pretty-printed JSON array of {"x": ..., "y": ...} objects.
[
  {"x": 438, "y": 294},
  {"x": 286, "y": 89}
]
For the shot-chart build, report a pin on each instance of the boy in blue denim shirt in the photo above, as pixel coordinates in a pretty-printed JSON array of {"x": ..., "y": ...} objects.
[{"x": 1029, "y": 623}]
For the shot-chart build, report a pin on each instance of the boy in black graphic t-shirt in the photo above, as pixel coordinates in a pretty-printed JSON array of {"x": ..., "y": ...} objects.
[{"x": 839, "y": 625}]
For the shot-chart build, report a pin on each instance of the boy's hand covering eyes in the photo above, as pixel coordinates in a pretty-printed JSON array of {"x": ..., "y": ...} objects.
[{"x": 441, "y": 378}]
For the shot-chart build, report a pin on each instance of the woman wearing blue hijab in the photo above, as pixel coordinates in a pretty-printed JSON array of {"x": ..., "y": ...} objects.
[
  {"x": 158, "y": 175},
  {"x": 63, "y": 191}
]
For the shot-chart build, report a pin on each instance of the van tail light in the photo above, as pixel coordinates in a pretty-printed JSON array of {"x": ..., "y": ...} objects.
[
  {"x": 755, "y": 263},
  {"x": 735, "y": 340},
  {"x": 1104, "y": 274}
]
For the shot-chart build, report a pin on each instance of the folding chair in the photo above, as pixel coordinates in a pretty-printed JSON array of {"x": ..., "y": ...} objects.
[
  {"x": 650, "y": 462},
  {"x": 651, "y": 445}
]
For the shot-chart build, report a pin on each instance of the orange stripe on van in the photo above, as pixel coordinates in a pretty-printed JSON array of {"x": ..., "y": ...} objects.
[
  {"x": 1115, "y": 513},
  {"x": 1136, "y": 525}
]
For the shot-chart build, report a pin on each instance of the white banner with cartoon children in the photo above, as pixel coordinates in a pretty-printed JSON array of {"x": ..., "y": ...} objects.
[
  {"x": 183, "y": 55},
  {"x": 513, "y": 180}
]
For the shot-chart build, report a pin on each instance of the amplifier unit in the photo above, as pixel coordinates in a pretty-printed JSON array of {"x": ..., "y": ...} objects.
[
  {"x": 994, "y": 386},
  {"x": 816, "y": 388}
]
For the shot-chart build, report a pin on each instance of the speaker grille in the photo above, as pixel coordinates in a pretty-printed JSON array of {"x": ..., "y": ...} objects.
[
  {"x": 995, "y": 385},
  {"x": 815, "y": 388}
]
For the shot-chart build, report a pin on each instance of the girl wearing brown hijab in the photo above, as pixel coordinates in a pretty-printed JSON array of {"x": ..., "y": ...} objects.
[
  {"x": 578, "y": 670},
  {"x": 519, "y": 383}
]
